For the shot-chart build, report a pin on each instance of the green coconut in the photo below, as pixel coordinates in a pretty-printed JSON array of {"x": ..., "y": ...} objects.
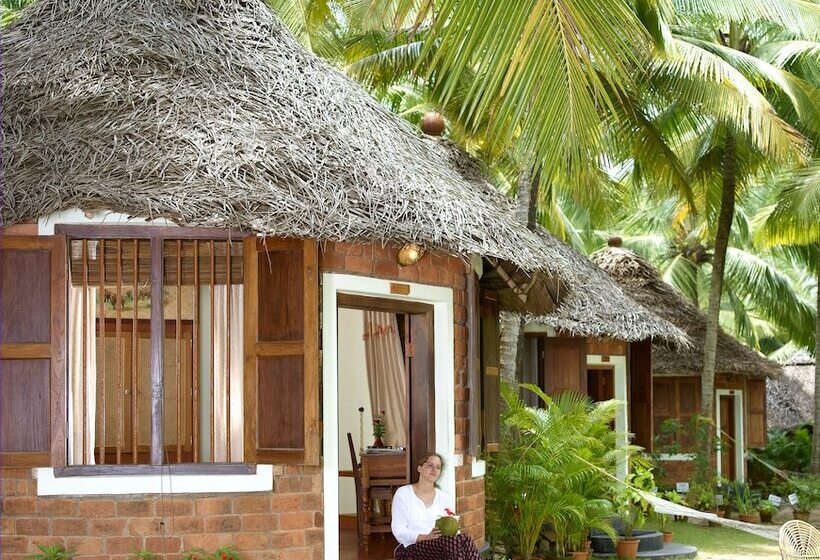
[{"x": 447, "y": 525}]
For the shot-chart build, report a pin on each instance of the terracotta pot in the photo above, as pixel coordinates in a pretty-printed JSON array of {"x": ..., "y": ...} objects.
[
  {"x": 765, "y": 516},
  {"x": 580, "y": 554},
  {"x": 747, "y": 517},
  {"x": 801, "y": 515},
  {"x": 378, "y": 444},
  {"x": 668, "y": 536},
  {"x": 627, "y": 548}
]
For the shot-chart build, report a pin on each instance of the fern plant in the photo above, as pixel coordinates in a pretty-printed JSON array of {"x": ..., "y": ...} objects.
[{"x": 52, "y": 552}]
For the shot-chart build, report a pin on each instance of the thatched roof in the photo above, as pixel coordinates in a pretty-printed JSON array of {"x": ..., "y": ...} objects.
[
  {"x": 641, "y": 281},
  {"x": 790, "y": 397},
  {"x": 209, "y": 113},
  {"x": 594, "y": 304}
]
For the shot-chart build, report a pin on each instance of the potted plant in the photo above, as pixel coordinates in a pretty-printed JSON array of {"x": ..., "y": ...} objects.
[
  {"x": 550, "y": 459},
  {"x": 52, "y": 552},
  {"x": 632, "y": 509},
  {"x": 766, "y": 510},
  {"x": 746, "y": 508},
  {"x": 379, "y": 429},
  {"x": 808, "y": 492},
  {"x": 664, "y": 519}
]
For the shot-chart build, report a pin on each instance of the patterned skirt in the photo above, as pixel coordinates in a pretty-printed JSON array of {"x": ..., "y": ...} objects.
[{"x": 457, "y": 547}]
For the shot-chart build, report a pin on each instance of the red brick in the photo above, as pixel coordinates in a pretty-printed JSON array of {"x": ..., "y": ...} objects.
[
  {"x": 314, "y": 536},
  {"x": 122, "y": 545},
  {"x": 185, "y": 525},
  {"x": 85, "y": 545},
  {"x": 107, "y": 527},
  {"x": 286, "y": 502},
  {"x": 97, "y": 508},
  {"x": 213, "y": 506},
  {"x": 19, "y": 506},
  {"x": 332, "y": 261},
  {"x": 287, "y": 539},
  {"x": 15, "y": 544},
  {"x": 205, "y": 542},
  {"x": 69, "y": 526},
  {"x": 32, "y": 526},
  {"x": 361, "y": 265},
  {"x": 135, "y": 508},
  {"x": 428, "y": 274},
  {"x": 260, "y": 522},
  {"x": 445, "y": 277},
  {"x": 409, "y": 273},
  {"x": 174, "y": 507},
  {"x": 296, "y": 520},
  {"x": 318, "y": 519},
  {"x": 223, "y": 524},
  {"x": 143, "y": 526},
  {"x": 6, "y": 525},
  {"x": 15, "y": 487},
  {"x": 252, "y": 541},
  {"x": 58, "y": 506},
  {"x": 300, "y": 554},
  {"x": 163, "y": 545},
  {"x": 386, "y": 269},
  {"x": 312, "y": 501},
  {"x": 16, "y": 473},
  {"x": 252, "y": 504}
]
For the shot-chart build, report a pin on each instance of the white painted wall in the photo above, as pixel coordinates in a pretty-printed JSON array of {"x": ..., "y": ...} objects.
[{"x": 353, "y": 393}]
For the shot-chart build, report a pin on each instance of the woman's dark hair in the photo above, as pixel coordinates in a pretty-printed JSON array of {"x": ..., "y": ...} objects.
[{"x": 429, "y": 454}]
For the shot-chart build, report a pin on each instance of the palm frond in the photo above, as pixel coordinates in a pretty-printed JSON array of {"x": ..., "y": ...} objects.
[
  {"x": 793, "y": 219},
  {"x": 799, "y": 16}
]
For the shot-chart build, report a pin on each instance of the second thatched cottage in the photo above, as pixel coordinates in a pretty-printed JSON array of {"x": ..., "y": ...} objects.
[{"x": 740, "y": 379}]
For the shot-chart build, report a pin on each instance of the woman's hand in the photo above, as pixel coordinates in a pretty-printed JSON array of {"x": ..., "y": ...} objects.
[{"x": 434, "y": 534}]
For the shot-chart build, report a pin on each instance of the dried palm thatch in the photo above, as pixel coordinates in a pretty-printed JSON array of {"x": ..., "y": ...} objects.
[
  {"x": 594, "y": 305},
  {"x": 209, "y": 113},
  {"x": 641, "y": 282},
  {"x": 790, "y": 397}
]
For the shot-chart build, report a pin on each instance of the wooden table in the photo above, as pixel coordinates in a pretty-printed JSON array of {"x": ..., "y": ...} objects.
[{"x": 382, "y": 474}]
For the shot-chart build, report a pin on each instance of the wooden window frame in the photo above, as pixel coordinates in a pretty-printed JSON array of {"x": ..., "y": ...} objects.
[{"x": 157, "y": 236}]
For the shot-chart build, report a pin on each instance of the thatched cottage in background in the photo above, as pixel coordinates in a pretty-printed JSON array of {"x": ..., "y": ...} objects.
[
  {"x": 199, "y": 268},
  {"x": 790, "y": 397},
  {"x": 596, "y": 342},
  {"x": 740, "y": 379}
]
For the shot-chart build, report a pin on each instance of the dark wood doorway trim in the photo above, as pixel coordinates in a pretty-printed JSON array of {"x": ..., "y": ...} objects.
[{"x": 420, "y": 359}]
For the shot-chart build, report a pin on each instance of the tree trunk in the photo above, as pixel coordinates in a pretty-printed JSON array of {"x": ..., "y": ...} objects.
[
  {"x": 512, "y": 325},
  {"x": 724, "y": 228},
  {"x": 815, "y": 443}
]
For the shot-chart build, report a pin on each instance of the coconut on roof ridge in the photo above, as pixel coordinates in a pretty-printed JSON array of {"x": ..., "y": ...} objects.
[
  {"x": 209, "y": 113},
  {"x": 642, "y": 282}
]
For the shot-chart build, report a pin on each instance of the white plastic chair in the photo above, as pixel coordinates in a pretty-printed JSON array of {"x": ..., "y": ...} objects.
[{"x": 799, "y": 540}]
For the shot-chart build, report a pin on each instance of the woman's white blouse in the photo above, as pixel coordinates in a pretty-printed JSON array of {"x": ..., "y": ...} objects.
[{"x": 412, "y": 518}]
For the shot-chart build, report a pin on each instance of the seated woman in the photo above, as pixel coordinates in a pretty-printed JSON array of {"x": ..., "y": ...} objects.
[{"x": 416, "y": 507}]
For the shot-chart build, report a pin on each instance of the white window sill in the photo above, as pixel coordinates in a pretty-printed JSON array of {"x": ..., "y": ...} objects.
[{"x": 167, "y": 484}]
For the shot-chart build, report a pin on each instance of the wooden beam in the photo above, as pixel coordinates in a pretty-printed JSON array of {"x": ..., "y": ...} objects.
[{"x": 157, "y": 358}]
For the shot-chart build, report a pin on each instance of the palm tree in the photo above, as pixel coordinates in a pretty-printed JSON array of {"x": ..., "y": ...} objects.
[{"x": 792, "y": 222}]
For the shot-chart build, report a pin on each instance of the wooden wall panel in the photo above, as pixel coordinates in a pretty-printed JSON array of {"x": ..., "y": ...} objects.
[
  {"x": 25, "y": 305},
  {"x": 422, "y": 386},
  {"x": 606, "y": 347},
  {"x": 756, "y": 413},
  {"x": 280, "y": 305},
  {"x": 640, "y": 393},
  {"x": 490, "y": 364},
  {"x": 281, "y": 403},
  {"x": 24, "y": 401},
  {"x": 564, "y": 365}
]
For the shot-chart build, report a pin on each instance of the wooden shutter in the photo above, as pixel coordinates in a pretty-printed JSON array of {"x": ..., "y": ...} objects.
[
  {"x": 688, "y": 402},
  {"x": 756, "y": 413},
  {"x": 490, "y": 371},
  {"x": 640, "y": 393},
  {"x": 281, "y": 351},
  {"x": 32, "y": 351},
  {"x": 565, "y": 367},
  {"x": 664, "y": 406}
]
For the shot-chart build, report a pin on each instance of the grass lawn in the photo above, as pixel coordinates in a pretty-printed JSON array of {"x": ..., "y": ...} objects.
[{"x": 722, "y": 543}]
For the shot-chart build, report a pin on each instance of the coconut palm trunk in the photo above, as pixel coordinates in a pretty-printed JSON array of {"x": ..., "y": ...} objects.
[
  {"x": 724, "y": 228},
  {"x": 815, "y": 448},
  {"x": 512, "y": 326}
]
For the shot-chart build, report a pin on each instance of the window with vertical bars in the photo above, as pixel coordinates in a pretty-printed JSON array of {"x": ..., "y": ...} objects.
[{"x": 110, "y": 354}]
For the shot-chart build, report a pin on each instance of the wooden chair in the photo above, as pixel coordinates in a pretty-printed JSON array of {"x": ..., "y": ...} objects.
[
  {"x": 357, "y": 480},
  {"x": 799, "y": 540}
]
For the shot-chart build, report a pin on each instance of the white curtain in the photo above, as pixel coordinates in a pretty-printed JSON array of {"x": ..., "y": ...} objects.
[
  {"x": 386, "y": 375},
  {"x": 78, "y": 298},
  {"x": 237, "y": 358}
]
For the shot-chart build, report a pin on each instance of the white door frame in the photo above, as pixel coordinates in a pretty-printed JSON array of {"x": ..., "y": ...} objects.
[
  {"x": 441, "y": 299},
  {"x": 739, "y": 434},
  {"x": 618, "y": 366}
]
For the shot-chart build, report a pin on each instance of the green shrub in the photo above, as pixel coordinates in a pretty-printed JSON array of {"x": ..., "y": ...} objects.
[{"x": 52, "y": 552}]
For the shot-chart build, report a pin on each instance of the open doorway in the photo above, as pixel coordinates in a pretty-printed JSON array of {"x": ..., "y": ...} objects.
[
  {"x": 386, "y": 363},
  {"x": 729, "y": 424}
]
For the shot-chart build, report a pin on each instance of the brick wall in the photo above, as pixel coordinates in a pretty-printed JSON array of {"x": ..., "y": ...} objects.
[
  {"x": 440, "y": 270},
  {"x": 285, "y": 524}
]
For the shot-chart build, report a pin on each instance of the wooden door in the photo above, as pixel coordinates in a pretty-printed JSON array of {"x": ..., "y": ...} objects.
[
  {"x": 727, "y": 437},
  {"x": 601, "y": 384},
  {"x": 419, "y": 349}
]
